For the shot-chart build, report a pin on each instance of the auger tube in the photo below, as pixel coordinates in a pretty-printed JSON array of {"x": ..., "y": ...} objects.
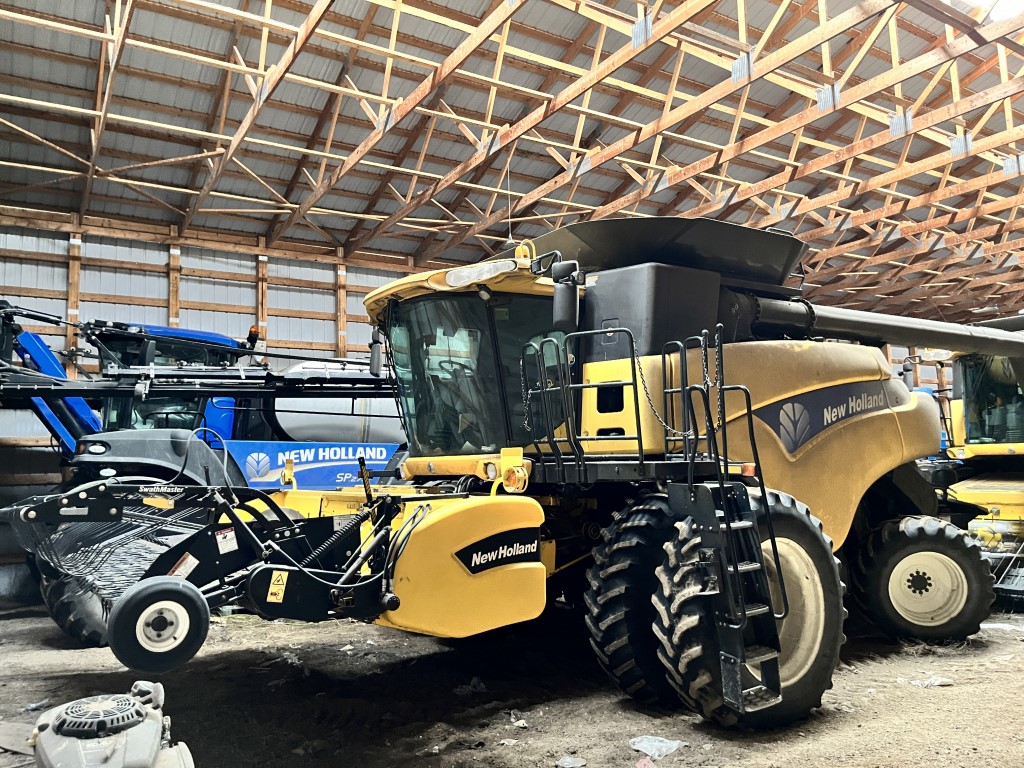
[{"x": 800, "y": 317}]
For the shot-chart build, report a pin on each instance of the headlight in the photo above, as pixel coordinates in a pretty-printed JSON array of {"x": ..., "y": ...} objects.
[
  {"x": 97, "y": 449},
  {"x": 460, "y": 277}
]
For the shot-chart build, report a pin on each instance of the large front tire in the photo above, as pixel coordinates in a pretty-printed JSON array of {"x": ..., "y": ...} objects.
[
  {"x": 926, "y": 579},
  {"x": 618, "y": 602},
  {"x": 810, "y": 635}
]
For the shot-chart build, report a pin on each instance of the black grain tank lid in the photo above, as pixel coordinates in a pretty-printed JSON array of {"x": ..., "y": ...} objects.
[{"x": 743, "y": 253}]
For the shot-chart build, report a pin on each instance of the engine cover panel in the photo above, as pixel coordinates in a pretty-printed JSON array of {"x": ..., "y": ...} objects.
[{"x": 470, "y": 565}]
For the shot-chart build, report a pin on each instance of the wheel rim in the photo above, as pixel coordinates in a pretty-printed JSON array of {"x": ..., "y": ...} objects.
[
  {"x": 163, "y": 626},
  {"x": 928, "y": 588},
  {"x": 801, "y": 632}
]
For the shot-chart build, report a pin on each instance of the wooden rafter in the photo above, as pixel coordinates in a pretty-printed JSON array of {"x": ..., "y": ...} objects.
[
  {"x": 269, "y": 82},
  {"x": 386, "y": 121},
  {"x": 887, "y": 135}
]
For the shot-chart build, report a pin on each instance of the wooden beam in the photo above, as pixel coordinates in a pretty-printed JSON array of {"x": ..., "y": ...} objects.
[
  {"x": 341, "y": 307},
  {"x": 865, "y": 10},
  {"x": 110, "y": 58},
  {"x": 577, "y": 88},
  {"x": 174, "y": 286},
  {"x": 488, "y": 26},
  {"x": 858, "y": 93},
  {"x": 73, "y": 298},
  {"x": 270, "y": 83}
]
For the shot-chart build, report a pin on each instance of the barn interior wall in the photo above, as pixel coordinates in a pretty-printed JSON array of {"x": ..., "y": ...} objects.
[{"x": 303, "y": 302}]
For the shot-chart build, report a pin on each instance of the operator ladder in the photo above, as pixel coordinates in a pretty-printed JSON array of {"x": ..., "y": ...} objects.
[{"x": 731, "y": 550}]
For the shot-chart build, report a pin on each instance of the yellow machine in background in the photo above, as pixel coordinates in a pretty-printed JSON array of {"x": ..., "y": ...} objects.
[{"x": 983, "y": 483}]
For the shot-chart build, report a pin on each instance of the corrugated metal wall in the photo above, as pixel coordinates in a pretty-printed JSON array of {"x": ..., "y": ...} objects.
[
  {"x": 133, "y": 281},
  {"x": 31, "y": 282}
]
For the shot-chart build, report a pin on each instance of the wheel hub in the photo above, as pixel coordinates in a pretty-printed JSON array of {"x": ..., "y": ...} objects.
[
  {"x": 919, "y": 583},
  {"x": 928, "y": 588},
  {"x": 163, "y": 626}
]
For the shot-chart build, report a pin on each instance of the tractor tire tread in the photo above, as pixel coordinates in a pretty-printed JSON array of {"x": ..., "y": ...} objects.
[{"x": 618, "y": 619}]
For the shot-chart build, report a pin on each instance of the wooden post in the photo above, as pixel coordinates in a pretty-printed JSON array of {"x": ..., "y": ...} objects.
[
  {"x": 174, "y": 286},
  {"x": 341, "y": 305},
  {"x": 74, "y": 285},
  {"x": 261, "y": 296}
]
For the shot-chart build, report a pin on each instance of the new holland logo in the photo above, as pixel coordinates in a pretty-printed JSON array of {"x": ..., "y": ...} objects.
[
  {"x": 794, "y": 425},
  {"x": 518, "y": 546},
  {"x": 256, "y": 465},
  {"x": 799, "y": 420}
]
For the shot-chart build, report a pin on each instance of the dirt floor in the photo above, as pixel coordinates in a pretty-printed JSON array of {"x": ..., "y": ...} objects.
[{"x": 347, "y": 694}]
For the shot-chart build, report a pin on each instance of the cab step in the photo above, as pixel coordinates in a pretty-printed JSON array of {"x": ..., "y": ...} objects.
[
  {"x": 755, "y": 654},
  {"x": 744, "y": 567},
  {"x": 759, "y": 697},
  {"x": 757, "y": 609},
  {"x": 736, "y": 525}
]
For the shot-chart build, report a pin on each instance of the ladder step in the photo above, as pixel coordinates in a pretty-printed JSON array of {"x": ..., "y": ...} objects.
[
  {"x": 755, "y": 654},
  {"x": 756, "y": 609},
  {"x": 759, "y": 697},
  {"x": 745, "y": 567},
  {"x": 737, "y": 525}
]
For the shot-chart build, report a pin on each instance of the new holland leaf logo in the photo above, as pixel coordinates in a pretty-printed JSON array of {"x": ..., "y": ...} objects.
[
  {"x": 257, "y": 465},
  {"x": 794, "y": 425}
]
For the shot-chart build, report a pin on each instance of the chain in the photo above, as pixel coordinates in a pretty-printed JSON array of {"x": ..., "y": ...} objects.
[
  {"x": 650, "y": 400},
  {"x": 647, "y": 393}
]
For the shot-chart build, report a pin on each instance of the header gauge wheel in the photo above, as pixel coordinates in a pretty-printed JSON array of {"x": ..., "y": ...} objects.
[
  {"x": 158, "y": 624},
  {"x": 926, "y": 579}
]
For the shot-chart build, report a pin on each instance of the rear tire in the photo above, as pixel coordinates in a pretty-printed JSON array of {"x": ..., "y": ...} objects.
[
  {"x": 811, "y": 634},
  {"x": 926, "y": 579},
  {"x": 79, "y": 612},
  {"x": 618, "y": 602}
]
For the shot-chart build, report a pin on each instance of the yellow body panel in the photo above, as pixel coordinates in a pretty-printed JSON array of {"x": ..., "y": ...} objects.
[
  {"x": 439, "y": 595},
  {"x": 831, "y": 472},
  {"x": 451, "y": 466},
  {"x": 985, "y": 449},
  {"x": 345, "y": 501},
  {"x": 423, "y": 283},
  {"x": 1000, "y": 495},
  {"x": 595, "y": 423}
]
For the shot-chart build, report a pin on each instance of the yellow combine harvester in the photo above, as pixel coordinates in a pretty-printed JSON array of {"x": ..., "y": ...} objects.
[
  {"x": 575, "y": 433},
  {"x": 983, "y": 484}
]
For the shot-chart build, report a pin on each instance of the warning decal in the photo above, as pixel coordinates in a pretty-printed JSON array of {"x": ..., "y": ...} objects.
[
  {"x": 227, "y": 541},
  {"x": 278, "y": 583},
  {"x": 184, "y": 566}
]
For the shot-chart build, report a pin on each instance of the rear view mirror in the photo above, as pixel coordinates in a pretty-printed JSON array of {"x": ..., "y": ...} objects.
[
  {"x": 565, "y": 310},
  {"x": 376, "y": 353}
]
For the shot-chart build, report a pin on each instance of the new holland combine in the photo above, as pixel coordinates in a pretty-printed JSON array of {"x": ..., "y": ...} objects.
[
  {"x": 982, "y": 478},
  {"x": 576, "y": 433}
]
